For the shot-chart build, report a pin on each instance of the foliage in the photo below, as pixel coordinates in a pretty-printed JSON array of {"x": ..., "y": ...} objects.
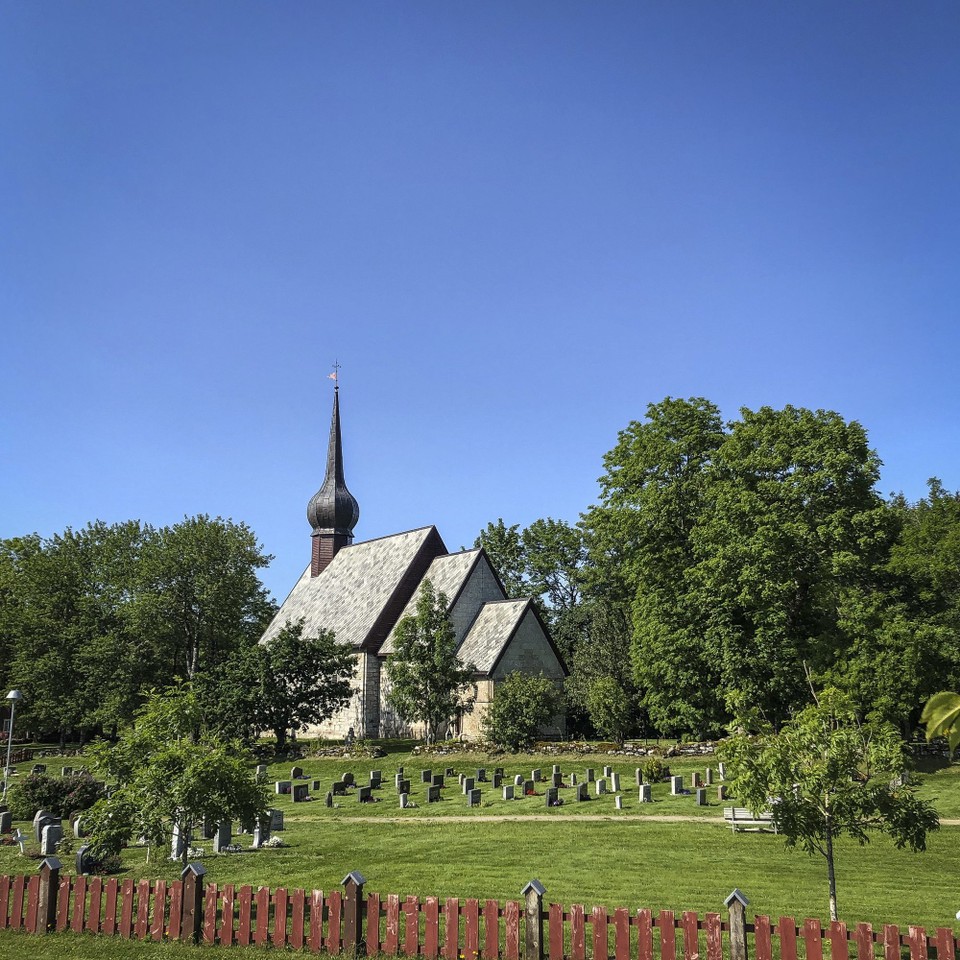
[
  {"x": 825, "y": 774},
  {"x": 287, "y": 684},
  {"x": 942, "y": 717},
  {"x": 428, "y": 683},
  {"x": 522, "y": 704},
  {"x": 608, "y": 708},
  {"x": 504, "y": 546},
  {"x": 61, "y": 796},
  {"x": 654, "y": 770},
  {"x": 165, "y": 774}
]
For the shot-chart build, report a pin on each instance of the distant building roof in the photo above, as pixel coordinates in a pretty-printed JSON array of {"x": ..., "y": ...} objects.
[{"x": 491, "y": 632}]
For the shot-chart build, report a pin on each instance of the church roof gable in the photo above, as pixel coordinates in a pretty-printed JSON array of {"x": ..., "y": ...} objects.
[
  {"x": 493, "y": 629},
  {"x": 352, "y": 595}
]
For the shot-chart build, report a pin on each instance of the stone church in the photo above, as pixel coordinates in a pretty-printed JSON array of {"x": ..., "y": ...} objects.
[{"x": 361, "y": 590}]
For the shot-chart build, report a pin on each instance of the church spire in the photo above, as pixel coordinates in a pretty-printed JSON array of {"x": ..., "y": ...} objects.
[{"x": 333, "y": 511}]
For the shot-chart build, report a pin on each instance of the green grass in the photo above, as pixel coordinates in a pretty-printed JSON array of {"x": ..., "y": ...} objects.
[
  {"x": 73, "y": 946},
  {"x": 626, "y": 859}
]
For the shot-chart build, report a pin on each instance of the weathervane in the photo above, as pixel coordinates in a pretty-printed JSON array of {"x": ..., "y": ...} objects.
[{"x": 333, "y": 376}]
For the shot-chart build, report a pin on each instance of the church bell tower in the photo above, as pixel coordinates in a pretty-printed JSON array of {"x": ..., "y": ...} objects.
[{"x": 333, "y": 511}]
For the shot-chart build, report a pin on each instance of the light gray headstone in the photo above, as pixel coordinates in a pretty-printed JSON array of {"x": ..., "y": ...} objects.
[
  {"x": 41, "y": 819},
  {"x": 536, "y": 775},
  {"x": 619, "y": 801},
  {"x": 615, "y": 782},
  {"x": 508, "y": 791},
  {"x": 695, "y": 780},
  {"x": 473, "y": 798},
  {"x": 722, "y": 770},
  {"x": 607, "y": 771},
  {"x": 573, "y": 779},
  {"x": 722, "y": 792},
  {"x": 223, "y": 837},
  {"x": 177, "y": 843},
  {"x": 709, "y": 776},
  {"x": 404, "y": 797},
  {"x": 676, "y": 785},
  {"x": 52, "y": 835},
  {"x": 601, "y": 787},
  {"x": 581, "y": 792},
  {"x": 276, "y": 821}
]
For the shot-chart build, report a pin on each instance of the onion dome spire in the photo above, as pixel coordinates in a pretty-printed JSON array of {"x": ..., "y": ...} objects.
[{"x": 333, "y": 511}]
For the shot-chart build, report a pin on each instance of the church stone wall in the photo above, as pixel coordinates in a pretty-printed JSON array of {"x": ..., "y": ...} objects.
[
  {"x": 480, "y": 588},
  {"x": 362, "y": 713}
]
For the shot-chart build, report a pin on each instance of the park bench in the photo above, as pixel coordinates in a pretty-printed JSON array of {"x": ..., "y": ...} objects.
[{"x": 740, "y": 818}]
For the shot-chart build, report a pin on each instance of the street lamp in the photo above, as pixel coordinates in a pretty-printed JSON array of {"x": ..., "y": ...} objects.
[{"x": 14, "y": 696}]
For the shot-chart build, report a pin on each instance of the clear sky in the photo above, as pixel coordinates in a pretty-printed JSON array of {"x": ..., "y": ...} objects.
[{"x": 514, "y": 224}]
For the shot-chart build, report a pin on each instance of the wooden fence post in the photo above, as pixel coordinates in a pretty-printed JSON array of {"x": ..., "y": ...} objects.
[
  {"x": 533, "y": 917},
  {"x": 191, "y": 920},
  {"x": 353, "y": 944},
  {"x": 737, "y": 903},
  {"x": 47, "y": 896}
]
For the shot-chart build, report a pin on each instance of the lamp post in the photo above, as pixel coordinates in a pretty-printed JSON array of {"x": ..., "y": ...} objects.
[{"x": 13, "y": 696}]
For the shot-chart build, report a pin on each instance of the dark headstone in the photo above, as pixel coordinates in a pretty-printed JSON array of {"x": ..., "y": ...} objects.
[
  {"x": 433, "y": 794},
  {"x": 581, "y": 792},
  {"x": 403, "y": 786},
  {"x": 468, "y": 784},
  {"x": 590, "y": 776},
  {"x": 552, "y": 796},
  {"x": 339, "y": 788},
  {"x": 438, "y": 780},
  {"x": 556, "y": 780},
  {"x": 276, "y": 821},
  {"x": 329, "y": 800},
  {"x": 528, "y": 787},
  {"x": 85, "y": 861},
  {"x": 473, "y": 798},
  {"x": 481, "y": 775},
  {"x": 497, "y": 781},
  {"x": 316, "y": 786},
  {"x": 300, "y": 793},
  {"x": 426, "y": 776},
  {"x": 6, "y": 821},
  {"x": 296, "y": 773},
  {"x": 376, "y": 778},
  {"x": 365, "y": 794},
  {"x": 348, "y": 779}
]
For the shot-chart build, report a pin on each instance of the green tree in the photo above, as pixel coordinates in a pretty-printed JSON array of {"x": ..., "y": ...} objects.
[
  {"x": 640, "y": 538},
  {"x": 428, "y": 683},
  {"x": 199, "y": 597},
  {"x": 824, "y": 775},
  {"x": 287, "y": 684},
  {"x": 165, "y": 775},
  {"x": 942, "y": 717},
  {"x": 522, "y": 704},
  {"x": 609, "y": 708},
  {"x": 504, "y": 547}
]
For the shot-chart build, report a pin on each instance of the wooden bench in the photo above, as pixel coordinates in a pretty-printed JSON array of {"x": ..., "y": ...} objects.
[{"x": 740, "y": 818}]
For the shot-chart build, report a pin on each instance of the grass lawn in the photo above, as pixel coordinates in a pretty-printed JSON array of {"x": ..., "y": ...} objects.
[{"x": 587, "y": 853}]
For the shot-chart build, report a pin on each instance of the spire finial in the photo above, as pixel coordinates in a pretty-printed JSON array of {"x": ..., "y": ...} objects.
[{"x": 335, "y": 376}]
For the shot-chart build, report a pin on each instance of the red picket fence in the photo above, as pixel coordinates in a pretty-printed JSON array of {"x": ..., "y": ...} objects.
[{"x": 348, "y": 922}]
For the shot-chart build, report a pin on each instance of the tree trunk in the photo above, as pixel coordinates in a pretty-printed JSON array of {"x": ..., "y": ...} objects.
[
  {"x": 63, "y": 739},
  {"x": 186, "y": 846},
  {"x": 281, "y": 734},
  {"x": 831, "y": 876}
]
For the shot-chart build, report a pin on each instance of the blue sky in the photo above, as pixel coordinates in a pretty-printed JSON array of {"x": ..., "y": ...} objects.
[{"x": 514, "y": 224}]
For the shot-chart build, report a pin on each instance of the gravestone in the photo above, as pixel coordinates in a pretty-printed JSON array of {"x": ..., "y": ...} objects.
[
  {"x": 498, "y": 771},
  {"x": 52, "y": 835},
  {"x": 676, "y": 786},
  {"x": 607, "y": 771},
  {"x": 41, "y": 819},
  {"x": 404, "y": 797},
  {"x": 573, "y": 779},
  {"x": 438, "y": 780},
  {"x": 556, "y": 768},
  {"x": 709, "y": 776},
  {"x": 581, "y": 792},
  {"x": 400, "y": 771},
  {"x": 296, "y": 773},
  {"x": 497, "y": 781},
  {"x": 468, "y": 784},
  {"x": 639, "y": 776},
  {"x": 556, "y": 780},
  {"x": 461, "y": 778},
  {"x": 261, "y": 771},
  {"x": 315, "y": 786},
  {"x": 177, "y": 843},
  {"x": 473, "y": 798},
  {"x": 645, "y": 796},
  {"x": 615, "y": 782},
  {"x": 39, "y": 768},
  {"x": 529, "y": 788},
  {"x": 722, "y": 792},
  {"x": 722, "y": 770},
  {"x": 508, "y": 791},
  {"x": 481, "y": 775},
  {"x": 701, "y": 797},
  {"x": 276, "y": 821},
  {"x": 85, "y": 861},
  {"x": 376, "y": 778},
  {"x": 518, "y": 781},
  {"x": 402, "y": 787},
  {"x": 207, "y": 828},
  {"x": 66, "y": 771},
  {"x": 329, "y": 798},
  {"x": 426, "y": 776},
  {"x": 433, "y": 794},
  {"x": 300, "y": 792},
  {"x": 695, "y": 780},
  {"x": 601, "y": 786},
  {"x": 283, "y": 786},
  {"x": 365, "y": 794},
  {"x": 618, "y": 801},
  {"x": 6, "y": 821},
  {"x": 349, "y": 779},
  {"x": 536, "y": 775},
  {"x": 338, "y": 788},
  {"x": 590, "y": 775},
  {"x": 450, "y": 772},
  {"x": 261, "y": 833},
  {"x": 223, "y": 837},
  {"x": 552, "y": 795}
]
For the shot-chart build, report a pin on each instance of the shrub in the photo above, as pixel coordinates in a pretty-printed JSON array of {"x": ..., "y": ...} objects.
[
  {"x": 654, "y": 770},
  {"x": 609, "y": 708},
  {"x": 62, "y": 796},
  {"x": 521, "y": 705}
]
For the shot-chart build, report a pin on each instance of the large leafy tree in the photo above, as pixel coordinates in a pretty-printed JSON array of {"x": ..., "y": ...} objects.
[
  {"x": 654, "y": 494},
  {"x": 164, "y": 774},
  {"x": 199, "y": 597},
  {"x": 824, "y": 775},
  {"x": 504, "y": 546},
  {"x": 428, "y": 683},
  {"x": 284, "y": 685},
  {"x": 794, "y": 524}
]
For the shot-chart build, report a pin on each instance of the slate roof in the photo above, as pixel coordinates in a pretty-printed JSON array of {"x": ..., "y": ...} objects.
[
  {"x": 351, "y": 594},
  {"x": 491, "y": 632},
  {"x": 448, "y": 575}
]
